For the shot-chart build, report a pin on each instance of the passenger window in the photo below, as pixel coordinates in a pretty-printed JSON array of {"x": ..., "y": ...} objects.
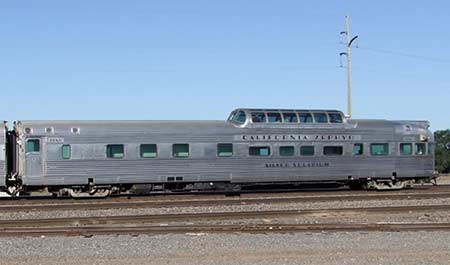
[
  {"x": 274, "y": 117},
  {"x": 287, "y": 150},
  {"x": 307, "y": 150},
  {"x": 305, "y": 117},
  {"x": 180, "y": 150},
  {"x": 258, "y": 117},
  {"x": 115, "y": 151},
  {"x": 405, "y": 149},
  {"x": 335, "y": 117},
  {"x": 333, "y": 150},
  {"x": 224, "y": 150},
  {"x": 358, "y": 149},
  {"x": 33, "y": 145},
  {"x": 420, "y": 149},
  {"x": 259, "y": 151},
  {"x": 238, "y": 117},
  {"x": 148, "y": 151},
  {"x": 431, "y": 149},
  {"x": 289, "y": 117},
  {"x": 321, "y": 118},
  {"x": 379, "y": 149},
  {"x": 66, "y": 151}
]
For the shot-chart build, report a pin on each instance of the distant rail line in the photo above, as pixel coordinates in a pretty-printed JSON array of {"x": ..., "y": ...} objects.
[
  {"x": 254, "y": 228},
  {"x": 208, "y": 216},
  {"x": 214, "y": 200}
]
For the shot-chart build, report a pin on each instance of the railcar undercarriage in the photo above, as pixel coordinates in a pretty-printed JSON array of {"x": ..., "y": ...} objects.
[{"x": 101, "y": 191}]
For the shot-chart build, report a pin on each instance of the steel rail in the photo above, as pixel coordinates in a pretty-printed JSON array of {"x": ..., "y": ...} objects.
[
  {"x": 209, "y": 216},
  {"x": 173, "y": 201},
  {"x": 252, "y": 228}
]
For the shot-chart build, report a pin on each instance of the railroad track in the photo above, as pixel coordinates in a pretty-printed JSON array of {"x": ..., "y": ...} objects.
[
  {"x": 253, "y": 228},
  {"x": 209, "y": 216},
  {"x": 192, "y": 222},
  {"x": 213, "y": 200}
]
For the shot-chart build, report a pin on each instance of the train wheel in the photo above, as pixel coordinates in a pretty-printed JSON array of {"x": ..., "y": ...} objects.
[{"x": 94, "y": 193}]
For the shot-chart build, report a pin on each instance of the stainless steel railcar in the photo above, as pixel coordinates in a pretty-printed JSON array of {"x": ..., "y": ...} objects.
[{"x": 254, "y": 146}]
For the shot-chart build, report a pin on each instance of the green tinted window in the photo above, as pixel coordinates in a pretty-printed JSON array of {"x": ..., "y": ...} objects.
[
  {"x": 335, "y": 117},
  {"x": 287, "y": 150},
  {"x": 258, "y": 117},
  {"x": 307, "y": 150},
  {"x": 332, "y": 150},
  {"x": 224, "y": 150},
  {"x": 259, "y": 151},
  {"x": 358, "y": 149},
  {"x": 274, "y": 117},
  {"x": 115, "y": 151},
  {"x": 240, "y": 117},
  {"x": 289, "y": 117},
  {"x": 431, "y": 149},
  {"x": 420, "y": 149},
  {"x": 180, "y": 150},
  {"x": 33, "y": 145},
  {"x": 148, "y": 150},
  {"x": 379, "y": 149},
  {"x": 320, "y": 117},
  {"x": 305, "y": 117},
  {"x": 66, "y": 151},
  {"x": 405, "y": 149}
]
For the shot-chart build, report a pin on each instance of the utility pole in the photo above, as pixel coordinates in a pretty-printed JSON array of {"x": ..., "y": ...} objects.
[{"x": 348, "y": 54}]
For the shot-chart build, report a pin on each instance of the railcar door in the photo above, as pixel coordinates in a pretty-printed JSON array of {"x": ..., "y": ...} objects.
[
  {"x": 33, "y": 157},
  {"x": 2, "y": 156}
]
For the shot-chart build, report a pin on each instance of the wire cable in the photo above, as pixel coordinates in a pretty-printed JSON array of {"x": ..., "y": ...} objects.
[{"x": 415, "y": 56}]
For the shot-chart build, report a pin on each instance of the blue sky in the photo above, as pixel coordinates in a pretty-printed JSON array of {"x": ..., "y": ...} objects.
[{"x": 197, "y": 59}]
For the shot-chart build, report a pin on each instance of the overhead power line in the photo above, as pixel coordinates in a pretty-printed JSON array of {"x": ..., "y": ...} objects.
[{"x": 415, "y": 56}]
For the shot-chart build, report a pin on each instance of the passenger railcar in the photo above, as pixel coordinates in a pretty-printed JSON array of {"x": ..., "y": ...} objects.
[{"x": 254, "y": 146}]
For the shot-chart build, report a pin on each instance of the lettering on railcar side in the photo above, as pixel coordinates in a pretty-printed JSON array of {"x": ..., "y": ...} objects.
[
  {"x": 297, "y": 164},
  {"x": 296, "y": 137},
  {"x": 54, "y": 140}
]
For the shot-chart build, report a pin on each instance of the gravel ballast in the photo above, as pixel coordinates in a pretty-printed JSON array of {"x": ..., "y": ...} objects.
[
  {"x": 299, "y": 248},
  {"x": 241, "y": 248}
]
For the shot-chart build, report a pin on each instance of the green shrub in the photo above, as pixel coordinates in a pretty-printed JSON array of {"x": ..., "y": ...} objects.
[{"x": 442, "y": 139}]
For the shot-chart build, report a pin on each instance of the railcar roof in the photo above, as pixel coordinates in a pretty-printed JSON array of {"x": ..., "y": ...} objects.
[
  {"x": 39, "y": 122},
  {"x": 288, "y": 110},
  {"x": 378, "y": 121}
]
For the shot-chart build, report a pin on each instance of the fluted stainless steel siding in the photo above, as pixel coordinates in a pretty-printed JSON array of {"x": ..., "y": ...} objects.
[{"x": 89, "y": 152}]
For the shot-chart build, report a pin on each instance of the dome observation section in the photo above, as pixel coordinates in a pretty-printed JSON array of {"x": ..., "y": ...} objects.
[
  {"x": 238, "y": 117},
  {"x": 242, "y": 117}
]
